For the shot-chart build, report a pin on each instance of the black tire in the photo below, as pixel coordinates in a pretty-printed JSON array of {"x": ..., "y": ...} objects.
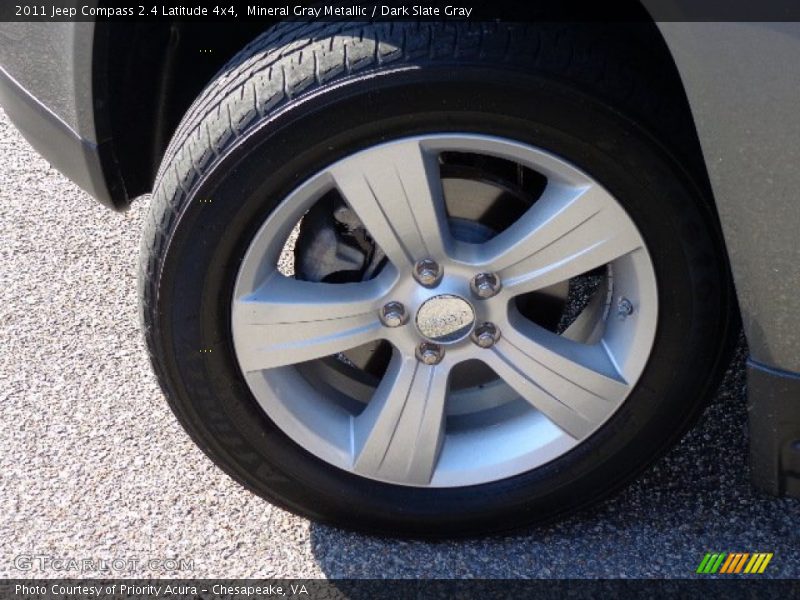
[{"x": 300, "y": 97}]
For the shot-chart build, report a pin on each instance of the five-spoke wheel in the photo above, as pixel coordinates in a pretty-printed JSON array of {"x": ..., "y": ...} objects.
[
  {"x": 434, "y": 278},
  {"x": 442, "y": 302}
]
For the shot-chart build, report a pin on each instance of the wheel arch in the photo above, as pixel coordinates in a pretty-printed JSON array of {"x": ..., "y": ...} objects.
[{"x": 145, "y": 77}]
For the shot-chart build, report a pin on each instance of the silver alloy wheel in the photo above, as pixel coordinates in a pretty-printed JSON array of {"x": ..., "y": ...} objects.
[{"x": 557, "y": 389}]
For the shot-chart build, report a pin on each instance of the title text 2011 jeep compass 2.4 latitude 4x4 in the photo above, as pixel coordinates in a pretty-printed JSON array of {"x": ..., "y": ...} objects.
[{"x": 443, "y": 278}]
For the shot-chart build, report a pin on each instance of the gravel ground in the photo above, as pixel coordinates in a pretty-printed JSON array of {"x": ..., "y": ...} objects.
[{"x": 93, "y": 464}]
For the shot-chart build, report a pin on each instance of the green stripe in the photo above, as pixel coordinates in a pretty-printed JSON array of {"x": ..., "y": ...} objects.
[
  {"x": 719, "y": 562},
  {"x": 711, "y": 562},
  {"x": 703, "y": 563}
]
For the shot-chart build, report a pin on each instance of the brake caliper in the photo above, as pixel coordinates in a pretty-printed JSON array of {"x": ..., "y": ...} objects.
[{"x": 334, "y": 247}]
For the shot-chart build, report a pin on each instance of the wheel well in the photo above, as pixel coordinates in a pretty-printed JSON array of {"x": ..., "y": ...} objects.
[
  {"x": 145, "y": 78},
  {"x": 147, "y": 75}
]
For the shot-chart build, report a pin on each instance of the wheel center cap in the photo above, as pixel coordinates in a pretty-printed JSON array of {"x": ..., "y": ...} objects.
[{"x": 445, "y": 319}]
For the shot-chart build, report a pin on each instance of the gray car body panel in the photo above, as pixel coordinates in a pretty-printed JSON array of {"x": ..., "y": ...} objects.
[
  {"x": 743, "y": 85},
  {"x": 53, "y": 61},
  {"x": 47, "y": 90},
  {"x": 742, "y": 81}
]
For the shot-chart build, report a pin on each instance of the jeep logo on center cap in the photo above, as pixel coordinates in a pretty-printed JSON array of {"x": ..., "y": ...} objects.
[{"x": 445, "y": 319}]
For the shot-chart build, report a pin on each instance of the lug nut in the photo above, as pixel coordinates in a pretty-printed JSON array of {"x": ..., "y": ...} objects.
[
  {"x": 428, "y": 272},
  {"x": 393, "y": 314},
  {"x": 486, "y": 335},
  {"x": 485, "y": 285},
  {"x": 430, "y": 354}
]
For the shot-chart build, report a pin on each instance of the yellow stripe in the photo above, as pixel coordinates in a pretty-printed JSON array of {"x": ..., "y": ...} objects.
[
  {"x": 765, "y": 563},
  {"x": 739, "y": 566},
  {"x": 753, "y": 564},
  {"x": 728, "y": 562}
]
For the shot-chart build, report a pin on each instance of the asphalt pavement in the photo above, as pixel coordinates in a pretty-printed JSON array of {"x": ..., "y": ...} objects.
[{"x": 93, "y": 466}]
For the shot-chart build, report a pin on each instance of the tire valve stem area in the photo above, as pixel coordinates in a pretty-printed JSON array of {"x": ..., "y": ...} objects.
[{"x": 624, "y": 308}]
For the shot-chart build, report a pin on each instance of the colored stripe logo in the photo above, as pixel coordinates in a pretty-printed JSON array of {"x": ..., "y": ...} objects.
[{"x": 734, "y": 563}]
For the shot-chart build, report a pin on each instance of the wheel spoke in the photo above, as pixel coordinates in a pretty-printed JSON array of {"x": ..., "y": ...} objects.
[
  {"x": 396, "y": 191},
  {"x": 575, "y": 385},
  {"x": 567, "y": 232},
  {"x": 399, "y": 435},
  {"x": 286, "y": 321}
]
